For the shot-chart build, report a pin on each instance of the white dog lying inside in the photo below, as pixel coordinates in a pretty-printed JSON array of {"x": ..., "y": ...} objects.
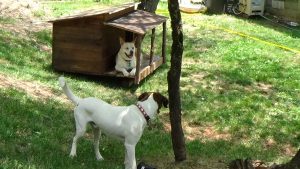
[
  {"x": 123, "y": 122},
  {"x": 126, "y": 59}
]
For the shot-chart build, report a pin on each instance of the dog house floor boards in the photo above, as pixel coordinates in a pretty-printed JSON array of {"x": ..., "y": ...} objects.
[{"x": 88, "y": 42}]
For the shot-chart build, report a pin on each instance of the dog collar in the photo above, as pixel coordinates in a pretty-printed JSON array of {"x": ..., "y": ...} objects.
[
  {"x": 142, "y": 110},
  {"x": 128, "y": 62}
]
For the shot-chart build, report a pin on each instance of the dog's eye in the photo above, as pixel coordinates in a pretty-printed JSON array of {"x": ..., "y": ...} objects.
[{"x": 127, "y": 48}]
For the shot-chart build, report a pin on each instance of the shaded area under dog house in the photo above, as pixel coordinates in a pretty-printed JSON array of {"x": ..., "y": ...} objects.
[{"x": 88, "y": 42}]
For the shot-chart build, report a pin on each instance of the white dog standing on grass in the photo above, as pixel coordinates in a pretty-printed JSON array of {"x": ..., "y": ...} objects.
[
  {"x": 123, "y": 122},
  {"x": 126, "y": 59}
]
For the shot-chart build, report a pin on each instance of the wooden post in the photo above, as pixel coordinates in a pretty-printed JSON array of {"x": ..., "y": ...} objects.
[
  {"x": 138, "y": 59},
  {"x": 163, "y": 53},
  {"x": 152, "y": 46},
  {"x": 54, "y": 46}
]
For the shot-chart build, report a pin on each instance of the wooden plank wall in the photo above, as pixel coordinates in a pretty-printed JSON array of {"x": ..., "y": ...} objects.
[
  {"x": 84, "y": 46},
  {"x": 287, "y": 9}
]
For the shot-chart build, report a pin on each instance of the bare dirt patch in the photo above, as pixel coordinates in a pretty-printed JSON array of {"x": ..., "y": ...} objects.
[
  {"x": 263, "y": 88},
  {"x": 24, "y": 14},
  {"x": 295, "y": 59},
  {"x": 289, "y": 150},
  {"x": 190, "y": 163},
  {"x": 3, "y": 61},
  {"x": 197, "y": 132},
  {"x": 23, "y": 9},
  {"x": 33, "y": 89}
]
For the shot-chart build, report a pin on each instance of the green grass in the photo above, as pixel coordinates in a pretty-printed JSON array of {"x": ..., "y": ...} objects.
[
  {"x": 241, "y": 87},
  {"x": 7, "y": 20},
  {"x": 66, "y": 7}
]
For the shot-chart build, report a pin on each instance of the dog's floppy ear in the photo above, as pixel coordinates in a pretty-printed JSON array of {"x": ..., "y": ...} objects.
[
  {"x": 161, "y": 100},
  {"x": 165, "y": 102},
  {"x": 144, "y": 96},
  {"x": 122, "y": 41}
]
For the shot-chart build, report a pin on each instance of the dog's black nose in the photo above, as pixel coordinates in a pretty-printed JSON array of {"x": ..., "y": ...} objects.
[{"x": 131, "y": 52}]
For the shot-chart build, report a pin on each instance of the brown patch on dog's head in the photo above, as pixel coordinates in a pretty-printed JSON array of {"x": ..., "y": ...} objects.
[
  {"x": 144, "y": 96},
  {"x": 158, "y": 98}
]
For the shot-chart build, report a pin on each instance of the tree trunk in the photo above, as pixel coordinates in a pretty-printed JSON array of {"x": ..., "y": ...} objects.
[
  {"x": 293, "y": 164},
  {"x": 296, "y": 160},
  {"x": 174, "y": 82},
  {"x": 148, "y": 5}
]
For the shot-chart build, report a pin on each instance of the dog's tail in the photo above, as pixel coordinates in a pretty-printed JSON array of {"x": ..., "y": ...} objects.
[{"x": 68, "y": 91}]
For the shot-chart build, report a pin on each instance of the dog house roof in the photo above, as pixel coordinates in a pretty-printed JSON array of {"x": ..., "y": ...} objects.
[
  {"x": 137, "y": 22},
  {"x": 97, "y": 12},
  {"x": 123, "y": 17}
]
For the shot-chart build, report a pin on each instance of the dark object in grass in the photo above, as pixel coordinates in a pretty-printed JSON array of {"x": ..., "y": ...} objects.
[
  {"x": 142, "y": 165},
  {"x": 249, "y": 164},
  {"x": 241, "y": 164}
]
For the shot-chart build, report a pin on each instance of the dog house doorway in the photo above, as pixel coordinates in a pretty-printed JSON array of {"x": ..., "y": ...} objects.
[{"x": 139, "y": 23}]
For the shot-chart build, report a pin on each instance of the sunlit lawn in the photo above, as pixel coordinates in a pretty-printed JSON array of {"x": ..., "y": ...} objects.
[{"x": 240, "y": 97}]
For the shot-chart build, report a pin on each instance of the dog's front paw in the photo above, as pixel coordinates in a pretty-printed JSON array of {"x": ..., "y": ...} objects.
[
  {"x": 100, "y": 158},
  {"x": 125, "y": 73},
  {"x": 132, "y": 73},
  {"x": 72, "y": 155}
]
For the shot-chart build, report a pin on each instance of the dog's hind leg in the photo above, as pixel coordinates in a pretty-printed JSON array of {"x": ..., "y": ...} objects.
[
  {"x": 97, "y": 135},
  {"x": 126, "y": 157},
  {"x": 130, "y": 162},
  {"x": 80, "y": 130}
]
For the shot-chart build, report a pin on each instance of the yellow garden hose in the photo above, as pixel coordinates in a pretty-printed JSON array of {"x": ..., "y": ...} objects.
[
  {"x": 255, "y": 38},
  {"x": 246, "y": 36}
]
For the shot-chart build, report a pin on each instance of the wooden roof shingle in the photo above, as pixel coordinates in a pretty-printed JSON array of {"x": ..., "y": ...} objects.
[
  {"x": 95, "y": 12},
  {"x": 137, "y": 22}
]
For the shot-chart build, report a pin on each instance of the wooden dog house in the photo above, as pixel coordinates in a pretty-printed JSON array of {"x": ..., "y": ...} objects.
[{"x": 88, "y": 42}]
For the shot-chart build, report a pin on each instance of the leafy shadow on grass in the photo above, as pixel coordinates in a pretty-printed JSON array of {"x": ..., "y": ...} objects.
[
  {"x": 228, "y": 150},
  {"x": 247, "y": 94},
  {"x": 290, "y": 31},
  {"x": 38, "y": 134},
  {"x": 260, "y": 21},
  {"x": 252, "y": 114}
]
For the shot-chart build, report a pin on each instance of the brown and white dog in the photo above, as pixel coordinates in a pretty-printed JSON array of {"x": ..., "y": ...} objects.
[
  {"x": 126, "y": 59},
  {"x": 123, "y": 122}
]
